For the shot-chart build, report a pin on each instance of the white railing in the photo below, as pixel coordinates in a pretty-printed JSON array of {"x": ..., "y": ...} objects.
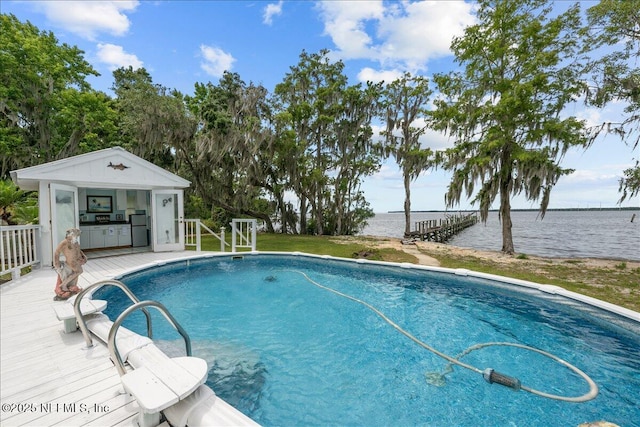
[
  {"x": 243, "y": 234},
  {"x": 193, "y": 234},
  {"x": 20, "y": 245},
  {"x": 19, "y": 248}
]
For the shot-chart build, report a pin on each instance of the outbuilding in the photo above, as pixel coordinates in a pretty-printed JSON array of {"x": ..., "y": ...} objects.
[{"x": 116, "y": 198}]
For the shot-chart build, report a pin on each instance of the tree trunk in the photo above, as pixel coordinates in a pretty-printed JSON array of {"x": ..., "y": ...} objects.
[
  {"x": 505, "y": 217},
  {"x": 282, "y": 207},
  {"x": 407, "y": 204},
  {"x": 303, "y": 215}
]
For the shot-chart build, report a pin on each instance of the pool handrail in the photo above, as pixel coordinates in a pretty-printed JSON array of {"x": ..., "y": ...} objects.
[
  {"x": 108, "y": 282},
  {"x": 111, "y": 341}
]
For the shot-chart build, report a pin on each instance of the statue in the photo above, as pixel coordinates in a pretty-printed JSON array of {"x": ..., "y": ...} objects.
[{"x": 69, "y": 269}]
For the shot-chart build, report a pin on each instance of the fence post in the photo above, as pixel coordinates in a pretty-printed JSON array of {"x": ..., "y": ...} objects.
[
  {"x": 198, "y": 236},
  {"x": 233, "y": 235},
  {"x": 254, "y": 234},
  {"x": 222, "y": 239}
]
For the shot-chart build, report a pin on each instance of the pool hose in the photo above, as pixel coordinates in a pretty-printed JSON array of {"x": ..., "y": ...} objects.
[{"x": 489, "y": 374}]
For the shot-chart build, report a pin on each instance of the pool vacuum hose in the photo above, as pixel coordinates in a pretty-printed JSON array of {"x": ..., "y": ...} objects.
[{"x": 489, "y": 374}]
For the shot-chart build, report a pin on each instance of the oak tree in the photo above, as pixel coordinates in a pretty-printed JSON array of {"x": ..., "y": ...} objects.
[{"x": 47, "y": 109}]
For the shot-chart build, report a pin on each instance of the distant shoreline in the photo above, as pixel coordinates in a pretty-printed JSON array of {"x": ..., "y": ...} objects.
[{"x": 627, "y": 208}]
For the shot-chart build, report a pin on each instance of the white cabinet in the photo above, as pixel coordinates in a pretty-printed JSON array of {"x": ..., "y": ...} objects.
[
  {"x": 141, "y": 200},
  {"x": 124, "y": 235},
  {"x": 91, "y": 237},
  {"x": 105, "y": 236},
  {"x": 96, "y": 237},
  {"x": 121, "y": 200},
  {"x": 110, "y": 236}
]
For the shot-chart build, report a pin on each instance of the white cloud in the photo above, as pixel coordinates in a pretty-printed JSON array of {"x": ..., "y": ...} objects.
[
  {"x": 589, "y": 177},
  {"x": 389, "y": 171},
  {"x": 115, "y": 57},
  {"x": 345, "y": 22},
  {"x": 405, "y": 34},
  {"x": 375, "y": 76},
  {"x": 592, "y": 116},
  {"x": 271, "y": 10},
  {"x": 424, "y": 31},
  {"x": 89, "y": 18},
  {"x": 216, "y": 61},
  {"x": 433, "y": 139}
]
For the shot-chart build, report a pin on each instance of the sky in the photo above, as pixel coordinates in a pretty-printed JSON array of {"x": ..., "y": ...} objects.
[{"x": 181, "y": 43}]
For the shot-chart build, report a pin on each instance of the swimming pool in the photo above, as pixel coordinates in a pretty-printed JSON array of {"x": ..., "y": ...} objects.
[{"x": 287, "y": 352}]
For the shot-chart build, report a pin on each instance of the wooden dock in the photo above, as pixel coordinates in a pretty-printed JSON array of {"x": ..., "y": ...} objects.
[{"x": 441, "y": 230}]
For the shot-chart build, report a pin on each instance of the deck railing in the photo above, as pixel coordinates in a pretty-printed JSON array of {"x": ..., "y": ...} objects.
[
  {"x": 19, "y": 248},
  {"x": 193, "y": 234},
  {"x": 243, "y": 234},
  {"x": 20, "y": 245}
]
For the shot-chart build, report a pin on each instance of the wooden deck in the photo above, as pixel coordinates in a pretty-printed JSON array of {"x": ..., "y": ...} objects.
[{"x": 47, "y": 377}]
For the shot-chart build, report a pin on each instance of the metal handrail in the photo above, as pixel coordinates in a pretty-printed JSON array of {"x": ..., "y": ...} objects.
[
  {"x": 109, "y": 282},
  {"x": 111, "y": 343}
]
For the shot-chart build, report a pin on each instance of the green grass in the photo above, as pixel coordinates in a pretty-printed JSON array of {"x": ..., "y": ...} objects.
[
  {"x": 317, "y": 245},
  {"x": 612, "y": 284},
  {"x": 7, "y": 277}
]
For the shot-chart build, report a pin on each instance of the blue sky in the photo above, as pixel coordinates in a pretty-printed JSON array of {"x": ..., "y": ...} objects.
[{"x": 184, "y": 42}]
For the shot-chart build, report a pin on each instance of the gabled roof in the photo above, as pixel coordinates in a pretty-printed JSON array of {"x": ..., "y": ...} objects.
[{"x": 109, "y": 168}]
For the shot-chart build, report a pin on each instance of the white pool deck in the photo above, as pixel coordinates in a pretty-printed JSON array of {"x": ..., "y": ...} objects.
[{"x": 48, "y": 377}]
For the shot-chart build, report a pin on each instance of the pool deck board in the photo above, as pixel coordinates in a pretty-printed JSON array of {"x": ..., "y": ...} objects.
[{"x": 48, "y": 377}]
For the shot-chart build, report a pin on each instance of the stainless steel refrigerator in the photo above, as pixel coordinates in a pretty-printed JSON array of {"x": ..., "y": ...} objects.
[{"x": 138, "y": 230}]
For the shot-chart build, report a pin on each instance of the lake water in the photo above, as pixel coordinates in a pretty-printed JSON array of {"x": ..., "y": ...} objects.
[{"x": 571, "y": 234}]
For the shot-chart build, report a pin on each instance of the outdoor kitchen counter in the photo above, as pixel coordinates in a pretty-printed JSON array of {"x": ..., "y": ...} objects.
[{"x": 105, "y": 235}]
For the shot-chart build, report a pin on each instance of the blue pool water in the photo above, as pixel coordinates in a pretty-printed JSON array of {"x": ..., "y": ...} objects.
[{"x": 286, "y": 352}]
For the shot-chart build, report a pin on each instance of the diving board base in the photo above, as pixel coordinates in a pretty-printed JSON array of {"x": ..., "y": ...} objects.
[
  {"x": 156, "y": 388},
  {"x": 65, "y": 313}
]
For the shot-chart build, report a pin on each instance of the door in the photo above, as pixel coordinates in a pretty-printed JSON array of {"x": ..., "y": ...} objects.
[
  {"x": 167, "y": 220},
  {"x": 64, "y": 211}
]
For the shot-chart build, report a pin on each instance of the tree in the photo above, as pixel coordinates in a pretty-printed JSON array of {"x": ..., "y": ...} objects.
[
  {"x": 616, "y": 23},
  {"x": 229, "y": 160},
  {"x": 9, "y": 196},
  {"x": 405, "y": 102},
  {"x": 329, "y": 122},
  {"x": 153, "y": 119},
  {"x": 40, "y": 82},
  {"x": 85, "y": 122},
  {"x": 16, "y": 206},
  {"x": 505, "y": 109},
  {"x": 352, "y": 157},
  {"x": 310, "y": 95}
]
